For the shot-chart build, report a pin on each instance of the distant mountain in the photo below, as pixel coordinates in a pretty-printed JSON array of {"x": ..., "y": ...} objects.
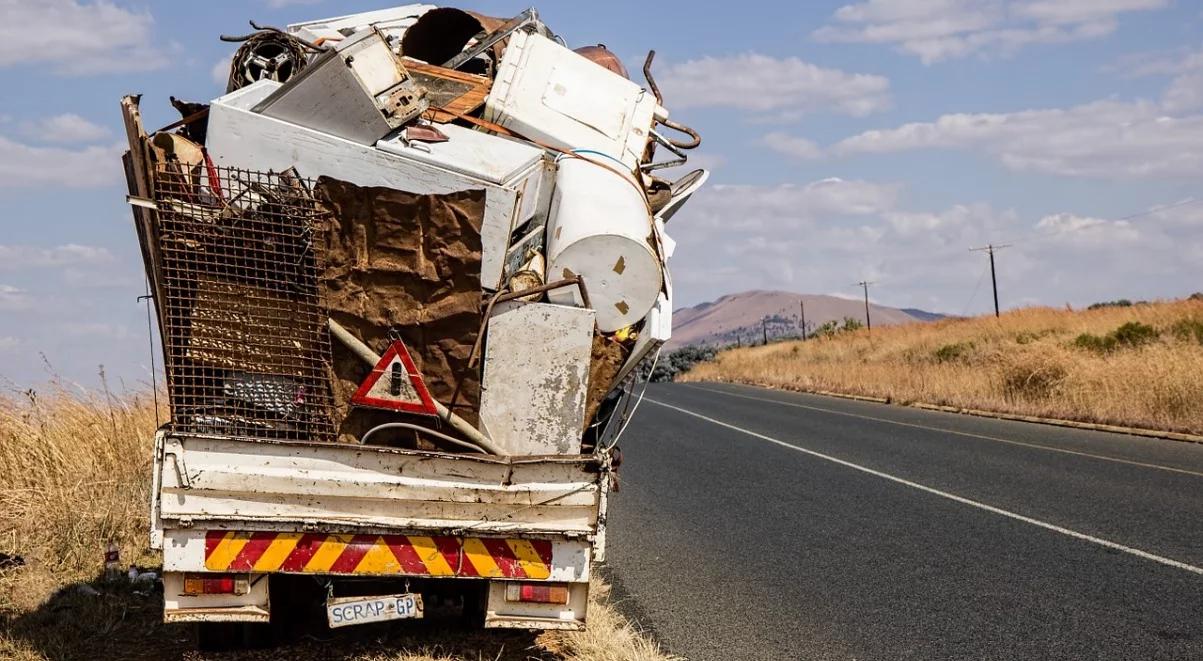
[
  {"x": 733, "y": 316},
  {"x": 924, "y": 315}
]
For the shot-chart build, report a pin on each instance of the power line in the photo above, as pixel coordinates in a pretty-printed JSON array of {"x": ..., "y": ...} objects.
[
  {"x": 973, "y": 296},
  {"x": 1140, "y": 214}
]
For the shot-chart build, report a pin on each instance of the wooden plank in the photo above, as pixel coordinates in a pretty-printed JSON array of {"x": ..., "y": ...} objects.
[
  {"x": 139, "y": 181},
  {"x": 452, "y": 93}
]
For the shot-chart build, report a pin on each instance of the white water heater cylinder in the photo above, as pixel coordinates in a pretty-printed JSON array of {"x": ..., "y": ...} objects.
[{"x": 599, "y": 228}]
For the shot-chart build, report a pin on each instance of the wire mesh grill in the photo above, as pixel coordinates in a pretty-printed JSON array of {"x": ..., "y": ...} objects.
[{"x": 245, "y": 336}]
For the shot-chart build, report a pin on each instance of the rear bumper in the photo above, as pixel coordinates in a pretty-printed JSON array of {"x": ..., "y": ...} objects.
[
  {"x": 377, "y": 554},
  {"x": 337, "y": 556}
]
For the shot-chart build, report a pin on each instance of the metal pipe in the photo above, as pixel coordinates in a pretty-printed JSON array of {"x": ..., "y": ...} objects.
[
  {"x": 651, "y": 82},
  {"x": 695, "y": 137},
  {"x": 566, "y": 282},
  {"x": 365, "y": 353},
  {"x": 405, "y": 425}
]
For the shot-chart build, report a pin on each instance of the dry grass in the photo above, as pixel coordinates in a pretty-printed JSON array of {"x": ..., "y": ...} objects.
[
  {"x": 75, "y": 474},
  {"x": 1029, "y": 361}
]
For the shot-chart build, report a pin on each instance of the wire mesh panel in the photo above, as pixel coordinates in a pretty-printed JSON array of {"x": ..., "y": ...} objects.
[{"x": 247, "y": 346}]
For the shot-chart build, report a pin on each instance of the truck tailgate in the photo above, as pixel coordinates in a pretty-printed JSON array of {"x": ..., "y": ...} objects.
[{"x": 215, "y": 483}]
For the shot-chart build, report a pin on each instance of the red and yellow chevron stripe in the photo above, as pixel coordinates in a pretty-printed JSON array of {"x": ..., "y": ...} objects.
[{"x": 410, "y": 555}]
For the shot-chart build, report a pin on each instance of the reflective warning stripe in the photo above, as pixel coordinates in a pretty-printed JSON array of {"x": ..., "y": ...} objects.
[{"x": 415, "y": 555}]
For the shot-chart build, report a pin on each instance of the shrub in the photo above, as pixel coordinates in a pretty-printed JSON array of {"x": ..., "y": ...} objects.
[
  {"x": 827, "y": 330},
  {"x": 1028, "y": 337},
  {"x": 1131, "y": 334},
  {"x": 1135, "y": 334},
  {"x": 950, "y": 353},
  {"x": 1188, "y": 329},
  {"x": 671, "y": 364},
  {"x": 1121, "y": 303},
  {"x": 1095, "y": 343},
  {"x": 851, "y": 324}
]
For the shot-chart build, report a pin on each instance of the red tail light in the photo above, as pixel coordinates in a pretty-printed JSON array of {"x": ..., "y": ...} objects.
[
  {"x": 536, "y": 593},
  {"x": 198, "y": 584}
]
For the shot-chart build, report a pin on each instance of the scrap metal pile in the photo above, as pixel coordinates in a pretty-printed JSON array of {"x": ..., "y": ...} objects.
[{"x": 419, "y": 227}]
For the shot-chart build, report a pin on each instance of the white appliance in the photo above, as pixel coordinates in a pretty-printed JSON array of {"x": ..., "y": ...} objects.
[
  {"x": 358, "y": 90},
  {"x": 393, "y": 22},
  {"x": 547, "y": 92}
]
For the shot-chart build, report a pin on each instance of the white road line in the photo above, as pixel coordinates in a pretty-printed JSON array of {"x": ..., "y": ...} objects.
[
  {"x": 996, "y": 439},
  {"x": 944, "y": 494}
]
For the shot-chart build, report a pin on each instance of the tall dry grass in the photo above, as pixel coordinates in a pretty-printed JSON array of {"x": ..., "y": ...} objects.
[
  {"x": 1028, "y": 362},
  {"x": 75, "y": 474}
]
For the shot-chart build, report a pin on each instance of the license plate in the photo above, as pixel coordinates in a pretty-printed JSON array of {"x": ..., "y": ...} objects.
[{"x": 345, "y": 611}]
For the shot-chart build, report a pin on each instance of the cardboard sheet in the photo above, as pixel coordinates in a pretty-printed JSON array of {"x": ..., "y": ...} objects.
[{"x": 406, "y": 264}]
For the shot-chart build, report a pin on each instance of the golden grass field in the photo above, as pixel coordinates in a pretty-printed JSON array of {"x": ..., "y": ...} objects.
[
  {"x": 1032, "y": 361},
  {"x": 75, "y": 473}
]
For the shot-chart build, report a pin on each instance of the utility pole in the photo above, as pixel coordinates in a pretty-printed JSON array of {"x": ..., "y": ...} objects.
[
  {"x": 990, "y": 249},
  {"x": 764, "y": 326},
  {"x": 865, "y": 284},
  {"x": 803, "y": 304}
]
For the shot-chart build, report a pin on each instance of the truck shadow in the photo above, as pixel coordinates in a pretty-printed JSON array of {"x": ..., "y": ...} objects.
[{"x": 94, "y": 621}]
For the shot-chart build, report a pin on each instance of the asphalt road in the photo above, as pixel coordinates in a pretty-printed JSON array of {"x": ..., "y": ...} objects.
[{"x": 757, "y": 524}]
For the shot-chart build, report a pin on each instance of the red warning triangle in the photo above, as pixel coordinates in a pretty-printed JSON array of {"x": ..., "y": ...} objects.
[{"x": 395, "y": 385}]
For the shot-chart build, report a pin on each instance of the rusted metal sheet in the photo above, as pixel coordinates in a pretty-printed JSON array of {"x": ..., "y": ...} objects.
[
  {"x": 451, "y": 93},
  {"x": 535, "y": 376}
]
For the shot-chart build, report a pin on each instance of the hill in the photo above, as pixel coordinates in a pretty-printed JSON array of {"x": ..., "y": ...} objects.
[
  {"x": 733, "y": 316},
  {"x": 924, "y": 315},
  {"x": 1136, "y": 365}
]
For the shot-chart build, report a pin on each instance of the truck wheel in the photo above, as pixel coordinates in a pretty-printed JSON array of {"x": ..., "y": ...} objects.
[{"x": 230, "y": 636}]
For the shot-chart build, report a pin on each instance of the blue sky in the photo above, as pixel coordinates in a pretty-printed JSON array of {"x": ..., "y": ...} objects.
[{"x": 866, "y": 140}]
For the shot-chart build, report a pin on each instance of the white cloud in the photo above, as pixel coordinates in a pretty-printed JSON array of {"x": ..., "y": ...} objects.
[
  {"x": 221, "y": 71},
  {"x": 936, "y": 30},
  {"x": 1106, "y": 139},
  {"x": 12, "y": 298},
  {"x": 65, "y": 128},
  {"x": 77, "y": 38},
  {"x": 17, "y": 257},
  {"x": 763, "y": 84},
  {"x": 823, "y": 236},
  {"x": 1158, "y": 63},
  {"x": 23, "y": 165},
  {"x": 788, "y": 206},
  {"x": 1185, "y": 93},
  {"x": 1079, "y": 229},
  {"x": 791, "y": 145},
  {"x": 1109, "y": 139},
  {"x": 8, "y": 343},
  {"x": 95, "y": 329}
]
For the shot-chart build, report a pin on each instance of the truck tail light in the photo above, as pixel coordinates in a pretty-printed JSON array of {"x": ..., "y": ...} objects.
[
  {"x": 198, "y": 584},
  {"x": 536, "y": 594}
]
